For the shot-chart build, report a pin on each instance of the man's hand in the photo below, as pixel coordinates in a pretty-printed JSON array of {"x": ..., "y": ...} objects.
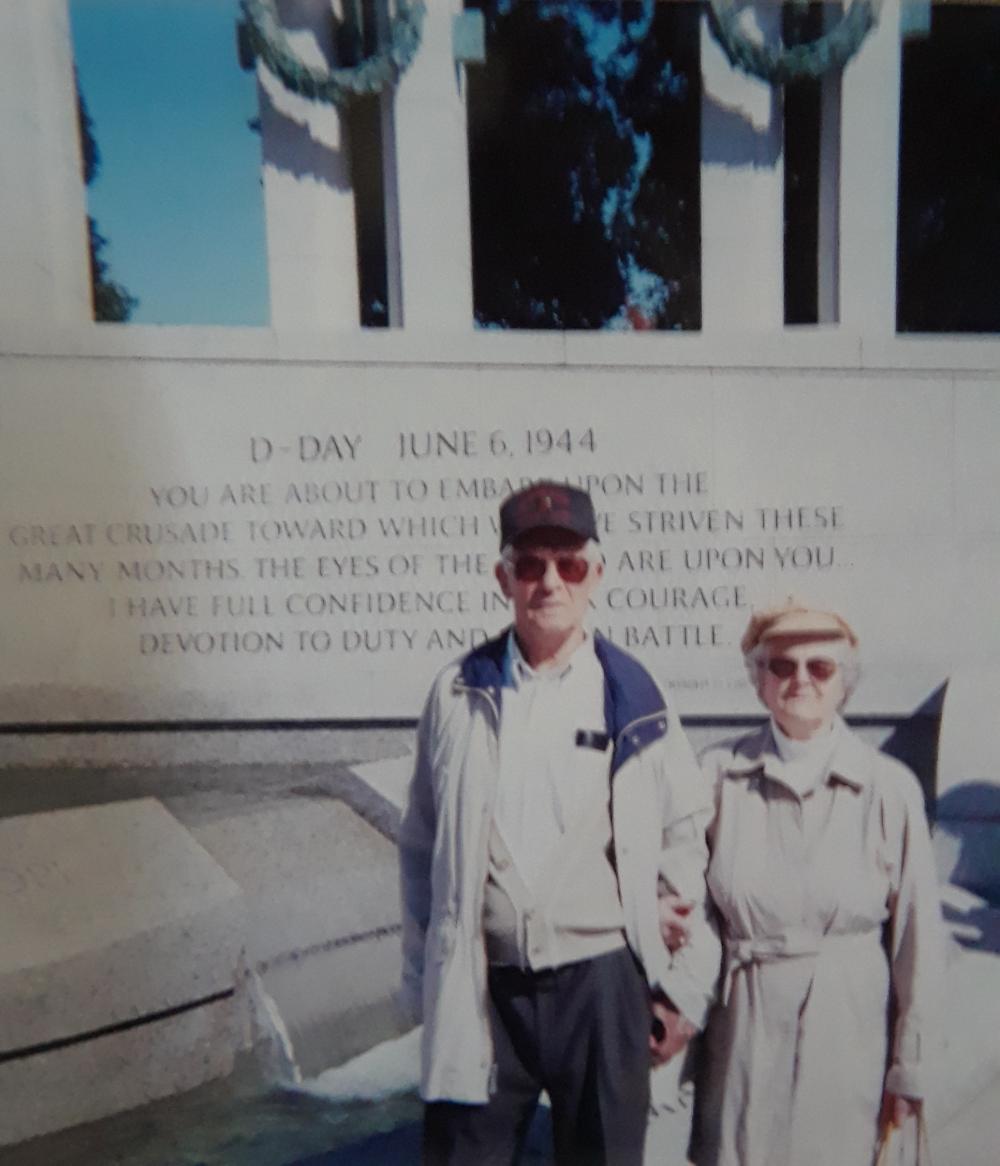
[
  {"x": 671, "y": 1031},
  {"x": 674, "y": 927}
]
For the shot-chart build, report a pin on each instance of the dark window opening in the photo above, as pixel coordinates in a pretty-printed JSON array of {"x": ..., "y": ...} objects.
[
  {"x": 948, "y": 243},
  {"x": 363, "y": 118},
  {"x": 802, "y": 119},
  {"x": 584, "y": 158}
]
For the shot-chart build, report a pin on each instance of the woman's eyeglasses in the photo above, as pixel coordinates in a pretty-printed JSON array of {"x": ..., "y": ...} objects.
[
  {"x": 818, "y": 667},
  {"x": 531, "y": 568}
]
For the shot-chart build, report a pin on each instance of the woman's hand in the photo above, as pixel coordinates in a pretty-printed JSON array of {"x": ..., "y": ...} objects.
[
  {"x": 674, "y": 927},
  {"x": 896, "y": 1109}
]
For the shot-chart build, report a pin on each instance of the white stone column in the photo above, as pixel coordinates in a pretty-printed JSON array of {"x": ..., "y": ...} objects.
[
  {"x": 390, "y": 186},
  {"x": 308, "y": 198},
  {"x": 432, "y": 182},
  {"x": 869, "y": 180},
  {"x": 742, "y": 194},
  {"x": 43, "y": 224}
]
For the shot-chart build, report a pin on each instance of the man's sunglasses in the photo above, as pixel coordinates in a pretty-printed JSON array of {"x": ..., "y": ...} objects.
[
  {"x": 531, "y": 568},
  {"x": 818, "y": 667}
]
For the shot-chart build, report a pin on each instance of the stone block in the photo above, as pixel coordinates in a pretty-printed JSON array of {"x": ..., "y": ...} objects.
[
  {"x": 322, "y": 894},
  {"x": 968, "y": 1058},
  {"x": 90, "y": 1079},
  {"x": 108, "y": 914},
  {"x": 313, "y": 873},
  {"x": 967, "y": 832},
  {"x": 967, "y": 752},
  {"x": 339, "y": 1002}
]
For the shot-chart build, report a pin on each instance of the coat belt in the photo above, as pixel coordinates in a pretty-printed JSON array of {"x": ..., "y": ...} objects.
[{"x": 742, "y": 952}]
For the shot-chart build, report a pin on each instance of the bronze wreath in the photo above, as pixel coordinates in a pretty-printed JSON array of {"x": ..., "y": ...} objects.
[
  {"x": 265, "y": 39},
  {"x": 781, "y": 63}
]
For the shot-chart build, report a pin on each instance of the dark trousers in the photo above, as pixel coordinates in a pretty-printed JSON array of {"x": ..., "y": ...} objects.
[{"x": 581, "y": 1033}]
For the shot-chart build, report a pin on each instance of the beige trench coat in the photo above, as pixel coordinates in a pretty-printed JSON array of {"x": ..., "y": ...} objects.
[{"x": 831, "y": 924}]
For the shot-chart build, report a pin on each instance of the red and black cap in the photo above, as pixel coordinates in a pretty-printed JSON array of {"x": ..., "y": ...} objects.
[{"x": 547, "y": 505}]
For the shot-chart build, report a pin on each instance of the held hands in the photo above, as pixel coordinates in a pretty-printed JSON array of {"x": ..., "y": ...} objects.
[
  {"x": 896, "y": 1109},
  {"x": 671, "y": 1031},
  {"x": 674, "y": 926}
]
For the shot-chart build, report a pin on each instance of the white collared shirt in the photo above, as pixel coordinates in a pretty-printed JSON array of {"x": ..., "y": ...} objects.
[{"x": 538, "y": 786}]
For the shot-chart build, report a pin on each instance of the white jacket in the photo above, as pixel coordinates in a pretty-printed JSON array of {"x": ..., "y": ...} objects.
[{"x": 660, "y": 805}]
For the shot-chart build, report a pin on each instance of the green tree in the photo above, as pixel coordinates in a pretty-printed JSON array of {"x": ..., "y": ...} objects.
[
  {"x": 584, "y": 165},
  {"x": 113, "y": 303}
]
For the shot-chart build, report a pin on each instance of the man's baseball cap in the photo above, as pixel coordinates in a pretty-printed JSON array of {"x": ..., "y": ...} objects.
[{"x": 546, "y": 505}]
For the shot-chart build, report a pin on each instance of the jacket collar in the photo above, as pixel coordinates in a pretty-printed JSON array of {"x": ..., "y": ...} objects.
[
  {"x": 483, "y": 667},
  {"x": 630, "y": 693},
  {"x": 632, "y": 699},
  {"x": 634, "y": 708},
  {"x": 758, "y": 752}
]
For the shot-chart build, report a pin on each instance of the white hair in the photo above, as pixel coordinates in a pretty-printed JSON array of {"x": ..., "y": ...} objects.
[{"x": 842, "y": 650}]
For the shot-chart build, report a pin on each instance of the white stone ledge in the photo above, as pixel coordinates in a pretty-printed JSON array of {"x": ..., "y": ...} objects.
[
  {"x": 792, "y": 348},
  {"x": 83, "y": 1082},
  {"x": 110, "y": 914}
]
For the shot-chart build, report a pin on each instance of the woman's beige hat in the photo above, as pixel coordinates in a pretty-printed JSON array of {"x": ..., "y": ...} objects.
[{"x": 794, "y": 618}]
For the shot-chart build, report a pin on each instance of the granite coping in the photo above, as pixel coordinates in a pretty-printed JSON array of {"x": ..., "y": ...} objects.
[{"x": 109, "y": 913}]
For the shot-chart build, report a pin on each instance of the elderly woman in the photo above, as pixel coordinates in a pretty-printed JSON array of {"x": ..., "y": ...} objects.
[{"x": 823, "y": 879}]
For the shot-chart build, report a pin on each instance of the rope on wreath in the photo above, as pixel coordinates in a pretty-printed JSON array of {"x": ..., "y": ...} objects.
[
  {"x": 779, "y": 63},
  {"x": 267, "y": 40}
]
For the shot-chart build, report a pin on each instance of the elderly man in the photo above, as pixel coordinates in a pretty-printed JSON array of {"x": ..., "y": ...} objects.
[{"x": 554, "y": 799}]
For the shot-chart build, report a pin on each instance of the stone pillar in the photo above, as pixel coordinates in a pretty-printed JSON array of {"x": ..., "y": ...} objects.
[
  {"x": 967, "y": 789},
  {"x": 742, "y": 194},
  {"x": 869, "y": 154},
  {"x": 432, "y": 182},
  {"x": 308, "y": 198},
  {"x": 379, "y": 9},
  {"x": 390, "y": 180},
  {"x": 43, "y": 227}
]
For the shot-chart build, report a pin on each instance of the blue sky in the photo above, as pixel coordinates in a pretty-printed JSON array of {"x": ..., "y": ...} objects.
[{"x": 178, "y": 194}]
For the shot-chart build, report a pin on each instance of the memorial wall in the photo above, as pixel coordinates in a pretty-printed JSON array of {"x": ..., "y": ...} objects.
[{"x": 213, "y": 540}]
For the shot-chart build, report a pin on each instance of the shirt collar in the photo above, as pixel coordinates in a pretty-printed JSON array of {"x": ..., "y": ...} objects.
[{"x": 517, "y": 670}]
